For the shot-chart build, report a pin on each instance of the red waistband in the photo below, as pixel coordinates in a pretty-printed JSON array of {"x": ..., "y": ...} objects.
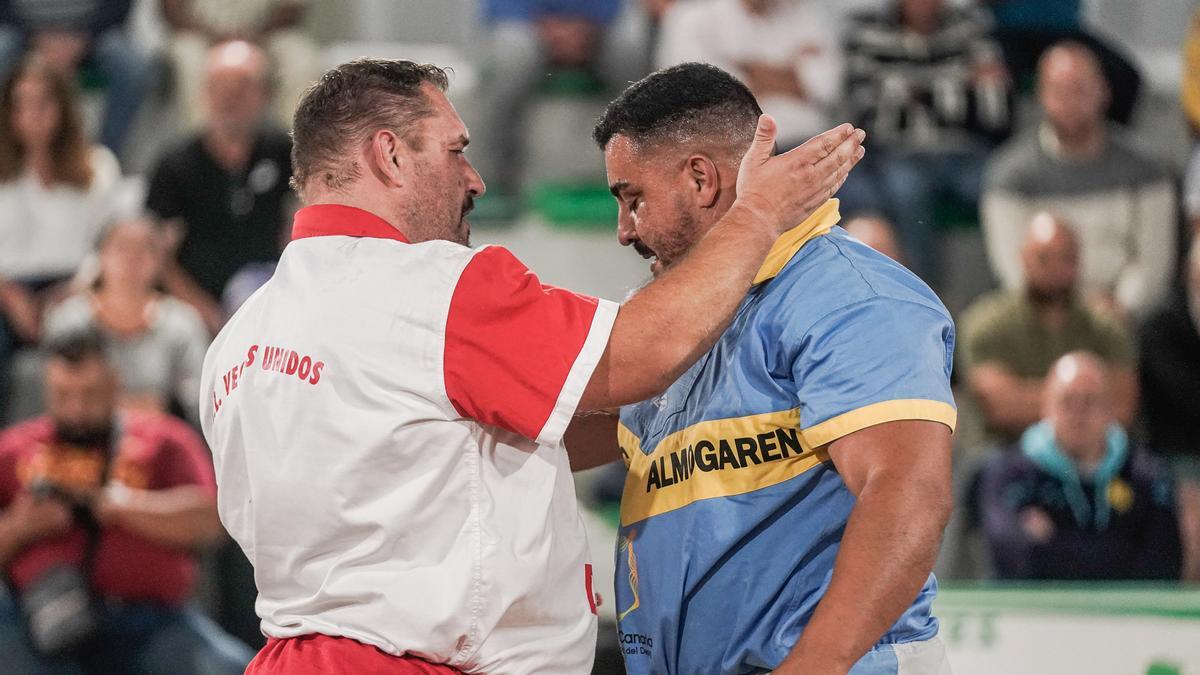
[{"x": 327, "y": 655}]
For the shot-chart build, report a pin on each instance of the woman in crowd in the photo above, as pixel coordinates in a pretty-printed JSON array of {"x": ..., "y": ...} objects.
[
  {"x": 156, "y": 341},
  {"x": 56, "y": 192}
]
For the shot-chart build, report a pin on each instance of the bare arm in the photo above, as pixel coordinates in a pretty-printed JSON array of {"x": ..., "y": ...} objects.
[
  {"x": 182, "y": 518},
  {"x": 28, "y": 520},
  {"x": 670, "y": 323},
  {"x": 1010, "y": 403},
  {"x": 900, "y": 473}
]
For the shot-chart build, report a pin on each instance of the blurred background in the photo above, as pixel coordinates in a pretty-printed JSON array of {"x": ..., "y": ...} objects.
[{"x": 1034, "y": 161}]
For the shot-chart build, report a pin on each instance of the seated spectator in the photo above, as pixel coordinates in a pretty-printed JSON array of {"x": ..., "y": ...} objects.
[
  {"x": 1075, "y": 500},
  {"x": 526, "y": 39},
  {"x": 156, "y": 342},
  {"x": 125, "y": 500},
  {"x": 1122, "y": 203},
  {"x": 786, "y": 51},
  {"x": 70, "y": 34},
  {"x": 226, "y": 187},
  {"x": 929, "y": 87},
  {"x": 56, "y": 193},
  {"x": 1025, "y": 29},
  {"x": 1011, "y": 338},
  {"x": 276, "y": 25},
  {"x": 1170, "y": 376},
  {"x": 878, "y": 233}
]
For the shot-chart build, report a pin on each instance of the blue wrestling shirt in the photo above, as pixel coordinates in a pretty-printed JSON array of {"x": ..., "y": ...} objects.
[{"x": 732, "y": 513}]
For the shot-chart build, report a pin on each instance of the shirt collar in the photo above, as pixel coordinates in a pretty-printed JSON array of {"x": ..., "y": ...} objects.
[
  {"x": 790, "y": 242},
  {"x": 339, "y": 220}
]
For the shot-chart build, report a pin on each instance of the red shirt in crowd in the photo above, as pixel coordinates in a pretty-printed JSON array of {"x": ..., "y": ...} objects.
[{"x": 155, "y": 452}]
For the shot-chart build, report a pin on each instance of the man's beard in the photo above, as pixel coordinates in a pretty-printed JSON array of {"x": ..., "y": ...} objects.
[
  {"x": 84, "y": 435},
  {"x": 1049, "y": 296}
]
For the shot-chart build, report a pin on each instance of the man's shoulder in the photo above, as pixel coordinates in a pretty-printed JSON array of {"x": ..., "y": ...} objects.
[
  {"x": 1015, "y": 164},
  {"x": 180, "y": 157},
  {"x": 158, "y": 429},
  {"x": 839, "y": 273},
  {"x": 992, "y": 312}
]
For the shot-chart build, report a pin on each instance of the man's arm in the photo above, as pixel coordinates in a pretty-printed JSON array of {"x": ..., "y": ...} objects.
[
  {"x": 1010, "y": 403},
  {"x": 670, "y": 323},
  {"x": 900, "y": 473},
  {"x": 28, "y": 520},
  {"x": 183, "y": 518}
]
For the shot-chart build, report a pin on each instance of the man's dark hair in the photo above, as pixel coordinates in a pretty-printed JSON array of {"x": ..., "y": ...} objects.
[
  {"x": 351, "y": 102},
  {"x": 691, "y": 100},
  {"x": 76, "y": 347}
]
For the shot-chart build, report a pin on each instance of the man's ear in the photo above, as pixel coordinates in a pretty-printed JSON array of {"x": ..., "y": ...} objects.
[
  {"x": 705, "y": 180},
  {"x": 387, "y": 158}
]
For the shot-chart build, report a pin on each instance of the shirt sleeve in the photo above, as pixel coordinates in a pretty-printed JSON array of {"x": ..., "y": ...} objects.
[
  {"x": 876, "y": 361},
  {"x": 519, "y": 354}
]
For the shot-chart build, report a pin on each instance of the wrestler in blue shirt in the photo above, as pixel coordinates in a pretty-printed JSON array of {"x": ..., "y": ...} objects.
[{"x": 796, "y": 479}]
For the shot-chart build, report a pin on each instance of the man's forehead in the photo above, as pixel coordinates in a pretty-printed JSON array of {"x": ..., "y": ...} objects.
[{"x": 623, "y": 162}]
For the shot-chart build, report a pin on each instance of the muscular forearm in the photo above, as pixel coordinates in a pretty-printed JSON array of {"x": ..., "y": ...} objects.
[
  {"x": 181, "y": 518},
  {"x": 887, "y": 552}
]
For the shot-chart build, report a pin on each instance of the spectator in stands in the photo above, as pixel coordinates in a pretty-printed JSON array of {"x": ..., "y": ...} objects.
[
  {"x": 527, "y": 38},
  {"x": 147, "y": 509},
  {"x": 1170, "y": 375},
  {"x": 68, "y": 35},
  {"x": 226, "y": 186},
  {"x": 930, "y": 88},
  {"x": 1011, "y": 338},
  {"x": 56, "y": 193},
  {"x": 878, "y": 233},
  {"x": 1122, "y": 203},
  {"x": 1075, "y": 499},
  {"x": 786, "y": 51},
  {"x": 1025, "y": 29},
  {"x": 276, "y": 25},
  {"x": 156, "y": 342}
]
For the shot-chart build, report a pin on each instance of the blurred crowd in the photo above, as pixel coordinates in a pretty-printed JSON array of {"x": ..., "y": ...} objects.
[{"x": 1008, "y": 116}]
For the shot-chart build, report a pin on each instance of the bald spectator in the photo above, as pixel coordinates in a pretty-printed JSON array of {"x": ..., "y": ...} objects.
[
  {"x": 1122, "y": 202},
  {"x": 1011, "y": 338},
  {"x": 1075, "y": 500},
  {"x": 275, "y": 25},
  {"x": 226, "y": 188},
  {"x": 1170, "y": 376},
  {"x": 878, "y": 233}
]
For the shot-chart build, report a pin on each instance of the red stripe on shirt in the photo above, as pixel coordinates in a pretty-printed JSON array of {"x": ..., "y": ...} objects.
[
  {"x": 511, "y": 342},
  {"x": 339, "y": 220}
]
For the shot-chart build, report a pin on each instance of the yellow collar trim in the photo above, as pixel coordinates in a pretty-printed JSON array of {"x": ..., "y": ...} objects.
[{"x": 790, "y": 242}]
